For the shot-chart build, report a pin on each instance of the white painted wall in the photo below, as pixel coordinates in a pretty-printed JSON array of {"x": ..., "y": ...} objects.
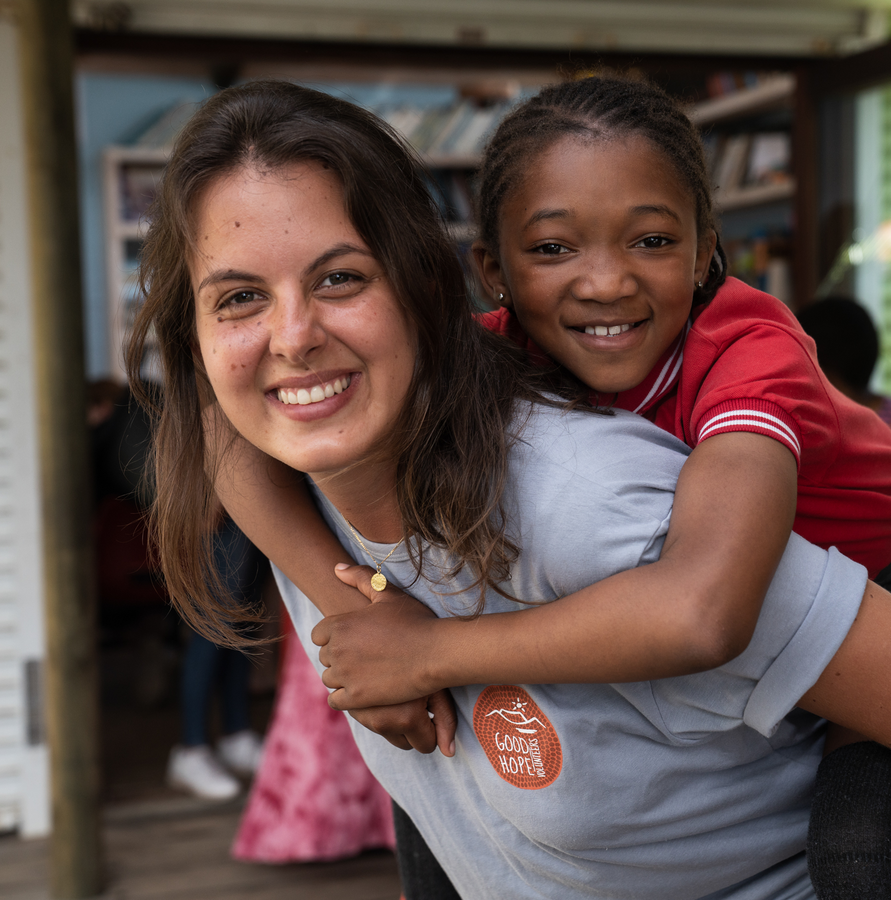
[{"x": 24, "y": 764}]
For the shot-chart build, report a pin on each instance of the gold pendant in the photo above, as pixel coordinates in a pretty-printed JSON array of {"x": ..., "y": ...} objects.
[{"x": 379, "y": 581}]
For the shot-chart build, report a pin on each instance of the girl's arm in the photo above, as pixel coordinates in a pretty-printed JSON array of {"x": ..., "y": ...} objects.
[
  {"x": 270, "y": 503},
  {"x": 692, "y": 610}
]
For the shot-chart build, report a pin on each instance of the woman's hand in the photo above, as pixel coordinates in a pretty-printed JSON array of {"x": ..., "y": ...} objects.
[{"x": 369, "y": 658}]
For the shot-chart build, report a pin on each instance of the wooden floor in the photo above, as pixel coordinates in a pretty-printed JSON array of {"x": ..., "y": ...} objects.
[
  {"x": 162, "y": 845},
  {"x": 178, "y": 850}
]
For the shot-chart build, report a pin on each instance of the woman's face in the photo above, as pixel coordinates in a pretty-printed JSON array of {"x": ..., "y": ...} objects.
[{"x": 302, "y": 338}]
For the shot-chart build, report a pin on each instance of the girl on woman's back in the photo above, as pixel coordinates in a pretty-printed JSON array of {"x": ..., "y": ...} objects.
[{"x": 598, "y": 239}]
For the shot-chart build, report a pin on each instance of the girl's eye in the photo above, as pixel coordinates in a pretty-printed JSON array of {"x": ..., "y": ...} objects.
[
  {"x": 550, "y": 249},
  {"x": 654, "y": 242}
]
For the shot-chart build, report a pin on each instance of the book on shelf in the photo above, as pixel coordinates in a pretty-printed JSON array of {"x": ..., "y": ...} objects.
[
  {"x": 137, "y": 185},
  {"x": 749, "y": 160},
  {"x": 770, "y": 158},
  {"x": 451, "y": 129},
  {"x": 478, "y": 130},
  {"x": 720, "y": 84},
  {"x": 460, "y": 130},
  {"x": 731, "y": 162}
]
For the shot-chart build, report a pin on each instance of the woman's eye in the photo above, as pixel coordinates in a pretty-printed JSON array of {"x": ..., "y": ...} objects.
[
  {"x": 240, "y": 298},
  {"x": 337, "y": 279},
  {"x": 550, "y": 249},
  {"x": 654, "y": 242}
]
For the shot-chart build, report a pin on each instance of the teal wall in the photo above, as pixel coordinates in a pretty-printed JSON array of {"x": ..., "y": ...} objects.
[
  {"x": 112, "y": 109},
  {"x": 115, "y": 109}
]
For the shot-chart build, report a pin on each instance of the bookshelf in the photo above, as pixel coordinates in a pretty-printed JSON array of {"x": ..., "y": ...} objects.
[
  {"x": 130, "y": 176},
  {"x": 746, "y": 130},
  {"x": 449, "y": 138},
  {"x": 747, "y": 133}
]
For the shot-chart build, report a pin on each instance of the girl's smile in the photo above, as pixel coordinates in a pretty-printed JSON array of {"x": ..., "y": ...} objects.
[
  {"x": 301, "y": 336},
  {"x": 599, "y": 257}
]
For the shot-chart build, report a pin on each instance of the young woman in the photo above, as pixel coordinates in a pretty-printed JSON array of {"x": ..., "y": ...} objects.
[{"x": 300, "y": 284}]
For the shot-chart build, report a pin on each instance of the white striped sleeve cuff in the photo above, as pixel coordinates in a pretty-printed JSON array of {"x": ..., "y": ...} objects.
[{"x": 758, "y": 416}]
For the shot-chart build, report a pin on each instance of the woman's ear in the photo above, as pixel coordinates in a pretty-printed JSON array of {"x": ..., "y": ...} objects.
[{"x": 491, "y": 274}]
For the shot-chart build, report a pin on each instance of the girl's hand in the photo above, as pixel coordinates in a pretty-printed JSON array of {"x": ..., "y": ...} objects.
[
  {"x": 409, "y": 726},
  {"x": 369, "y": 664}
]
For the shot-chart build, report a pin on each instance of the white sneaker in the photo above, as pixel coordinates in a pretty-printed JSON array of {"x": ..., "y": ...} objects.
[
  {"x": 198, "y": 771},
  {"x": 241, "y": 752}
]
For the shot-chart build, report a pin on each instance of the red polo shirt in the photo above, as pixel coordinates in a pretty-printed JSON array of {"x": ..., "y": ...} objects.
[{"x": 744, "y": 364}]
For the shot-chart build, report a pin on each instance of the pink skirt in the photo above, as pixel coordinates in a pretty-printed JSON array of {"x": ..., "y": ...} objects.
[{"x": 313, "y": 797}]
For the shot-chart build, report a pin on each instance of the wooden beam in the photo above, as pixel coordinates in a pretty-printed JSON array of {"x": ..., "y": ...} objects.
[
  {"x": 71, "y": 681},
  {"x": 853, "y": 73},
  {"x": 129, "y": 51},
  {"x": 636, "y": 26}
]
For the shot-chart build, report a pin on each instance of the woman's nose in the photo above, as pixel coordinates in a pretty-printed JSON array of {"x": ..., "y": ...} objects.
[{"x": 296, "y": 331}]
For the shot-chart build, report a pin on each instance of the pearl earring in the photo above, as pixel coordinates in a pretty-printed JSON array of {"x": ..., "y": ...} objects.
[
  {"x": 699, "y": 284},
  {"x": 499, "y": 297}
]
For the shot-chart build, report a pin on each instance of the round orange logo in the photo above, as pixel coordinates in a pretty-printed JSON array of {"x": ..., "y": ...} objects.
[{"x": 518, "y": 739}]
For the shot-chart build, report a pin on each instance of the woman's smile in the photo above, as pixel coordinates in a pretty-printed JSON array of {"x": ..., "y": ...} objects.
[
  {"x": 304, "y": 343},
  {"x": 316, "y": 394}
]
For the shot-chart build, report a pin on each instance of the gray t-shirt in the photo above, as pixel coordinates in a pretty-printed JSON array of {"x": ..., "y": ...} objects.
[{"x": 677, "y": 789}]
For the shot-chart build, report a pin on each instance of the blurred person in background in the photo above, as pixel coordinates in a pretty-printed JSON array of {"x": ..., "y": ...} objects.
[
  {"x": 133, "y": 608},
  {"x": 847, "y": 348}
]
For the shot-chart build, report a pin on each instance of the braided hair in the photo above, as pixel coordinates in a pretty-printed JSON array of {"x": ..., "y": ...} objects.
[{"x": 598, "y": 107}]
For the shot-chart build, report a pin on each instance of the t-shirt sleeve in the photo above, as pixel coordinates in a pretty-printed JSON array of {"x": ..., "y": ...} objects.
[
  {"x": 763, "y": 379},
  {"x": 597, "y": 498},
  {"x": 809, "y": 609}
]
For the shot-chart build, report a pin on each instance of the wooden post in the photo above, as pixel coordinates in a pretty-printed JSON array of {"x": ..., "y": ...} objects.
[{"x": 46, "y": 51}]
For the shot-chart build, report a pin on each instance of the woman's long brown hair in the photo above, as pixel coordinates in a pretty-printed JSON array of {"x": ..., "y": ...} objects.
[{"x": 453, "y": 435}]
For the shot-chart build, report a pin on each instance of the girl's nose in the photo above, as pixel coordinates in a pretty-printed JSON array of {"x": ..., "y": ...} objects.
[
  {"x": 603, "y": 278},
  {"x": 296, "y": 332}
]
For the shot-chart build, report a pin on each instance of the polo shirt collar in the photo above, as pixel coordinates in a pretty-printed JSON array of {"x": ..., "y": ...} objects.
[{"x": 660, "y": 381}]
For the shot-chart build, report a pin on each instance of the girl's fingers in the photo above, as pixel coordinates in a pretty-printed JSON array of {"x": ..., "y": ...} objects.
[
  {"x": 337, "y": 698},
  {"x": 405, "y": 725},
  {"x": 358, "y": 577},
  {"x": 445, "y": 721}
]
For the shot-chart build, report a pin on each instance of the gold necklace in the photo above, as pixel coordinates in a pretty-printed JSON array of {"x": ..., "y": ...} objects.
[{"x": 378, "y": 580}]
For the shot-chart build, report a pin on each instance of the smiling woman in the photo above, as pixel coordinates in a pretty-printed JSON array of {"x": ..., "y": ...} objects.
[
  {"x": 304, "y": 294},
  {"x": 294, "y": 249},
  {"x": 300, "y": 332}
]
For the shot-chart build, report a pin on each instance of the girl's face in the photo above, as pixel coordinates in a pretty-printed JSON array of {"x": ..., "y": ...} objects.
[
  {"x": 304, "y": 343},
  {"x": 599, "y": 257}
]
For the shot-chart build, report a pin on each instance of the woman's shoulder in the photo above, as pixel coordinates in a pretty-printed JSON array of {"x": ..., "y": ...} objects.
[{"x": 598, "y": 446}]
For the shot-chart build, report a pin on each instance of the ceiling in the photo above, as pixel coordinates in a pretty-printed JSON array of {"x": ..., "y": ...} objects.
[{"x": 802, "y": 28}]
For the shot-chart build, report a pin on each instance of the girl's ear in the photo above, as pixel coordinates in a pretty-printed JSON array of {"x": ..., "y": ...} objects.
[
  {"x": 704, "y": 256},
  {"x": 491, "y": 275}
]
